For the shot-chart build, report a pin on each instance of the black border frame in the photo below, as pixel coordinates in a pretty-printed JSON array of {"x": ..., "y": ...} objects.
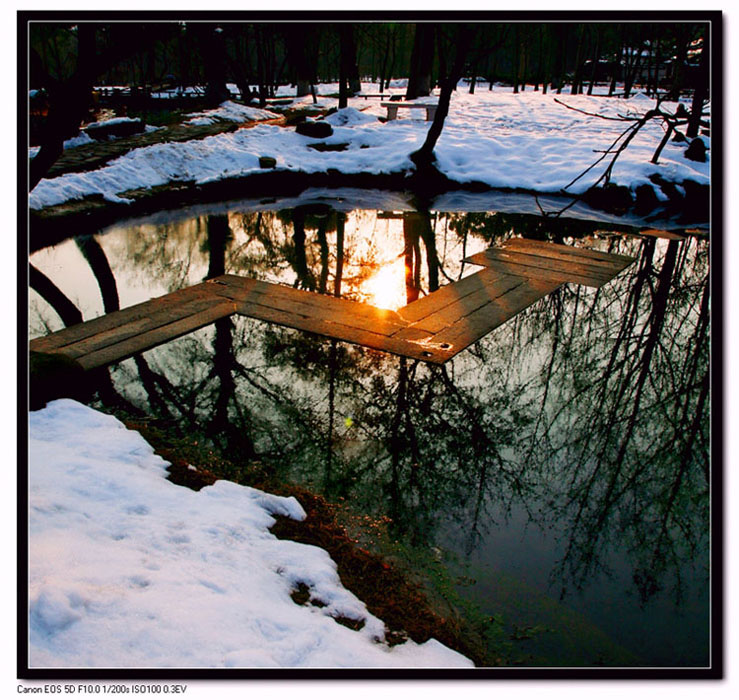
[{"x": 714, "y": 671}]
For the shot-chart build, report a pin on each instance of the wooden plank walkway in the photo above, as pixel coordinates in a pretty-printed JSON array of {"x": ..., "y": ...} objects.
[
  {"x": 433, "y": 328},
  {"x": 552, "y": 261},
  {"x": 120, "y": 334}
]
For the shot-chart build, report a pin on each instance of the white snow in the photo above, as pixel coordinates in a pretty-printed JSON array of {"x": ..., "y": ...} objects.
[
  {"x": 230, "y": 111},
  {"x": 505, "y": 140},
  {"x": 127, "y": 569},
  {"x": 115, "y": 120}
]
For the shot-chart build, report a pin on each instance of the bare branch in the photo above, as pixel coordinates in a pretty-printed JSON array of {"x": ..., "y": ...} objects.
[{"x": 619, "y": 118}]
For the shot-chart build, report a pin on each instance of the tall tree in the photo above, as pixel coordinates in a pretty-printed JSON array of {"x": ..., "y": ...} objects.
[
  {"x": 684, "y": 35},
  {"x": 388, "y": 59},
  {"x": 576, "y": 87},
  {"x": 595, "y": 58},
  {"x": 619, "y": 60},
  {"x": 213, "y": 54},
  {"x": 348, "y": 70},
  {"x": 700, "y": 95},
  {"x": 98, "y": 48},
  {"x": 422, "y": 57},
  {"x": 424, "y": 156},
  {"x": 302, "y": 55},
  {"x": 68, "y": 103}
]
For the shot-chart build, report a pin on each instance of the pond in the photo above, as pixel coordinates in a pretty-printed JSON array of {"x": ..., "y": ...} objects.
[{"x": 556, "y": 472}]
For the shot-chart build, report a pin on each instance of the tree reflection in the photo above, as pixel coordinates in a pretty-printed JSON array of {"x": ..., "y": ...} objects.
[
  {"x": 627, "y": 435},
  {"x": 589, "y": 410},
  {"x": 605, "y": 434},
  {"x": 59, "y": 302}
]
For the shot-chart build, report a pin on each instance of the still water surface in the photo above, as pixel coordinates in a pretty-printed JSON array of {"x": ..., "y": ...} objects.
[{"x": 558, "y": 469}]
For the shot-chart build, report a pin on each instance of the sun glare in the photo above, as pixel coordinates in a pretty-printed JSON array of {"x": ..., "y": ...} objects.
[{"x": 386, "y": 288}]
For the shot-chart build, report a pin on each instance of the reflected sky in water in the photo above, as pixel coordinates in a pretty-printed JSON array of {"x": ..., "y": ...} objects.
[{"x": 561, "y": 462}]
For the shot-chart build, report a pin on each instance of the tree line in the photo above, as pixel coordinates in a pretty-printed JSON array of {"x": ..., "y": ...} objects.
[
  {"x": 67, "y": 61},
  {"x": 548, "y": 56}
]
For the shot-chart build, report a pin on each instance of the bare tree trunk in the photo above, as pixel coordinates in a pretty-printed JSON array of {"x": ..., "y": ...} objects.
[
  {"x": 412, "y": 249},
  {"x": 516, "y": 58},
  {"x": 58, "y": 301},
  {"x": 684, "y": 37},
  {"x": 595, "y": 59},
  {"x": 302, "y": 52},
  {"x": 619, "y": 63},
  {"x": 562, "y": 60},
  {"x": 304, "y": 277},
  {"x": 538, "y": 78},
  {"x": 343, "y": 89},
  {"x": 701, "y": 91},
  {"x": 385, "y": 68},
  {"x": 424, "y": 156},
  {"x": 213, "y": 52},
  {"x": 576, "y": 87},
  {"x": 422, "y": 56},
  {"x": 98, "y": 262},
  {"x": 68, "y": 106}
]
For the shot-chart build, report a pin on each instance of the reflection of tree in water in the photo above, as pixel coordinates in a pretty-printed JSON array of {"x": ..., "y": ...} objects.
[
  {"x": 623, "y": 429},
  {"x": 593, "y": 404},
  {"x": 170, "y": 252},
  {"x": 589, "y": 409}
]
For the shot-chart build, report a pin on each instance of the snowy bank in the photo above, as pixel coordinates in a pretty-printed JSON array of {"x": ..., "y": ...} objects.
[
  {"x": 527, "y": 141},
  {"x": 231, "y": 112},
  {"x": 128, "y": 570}
]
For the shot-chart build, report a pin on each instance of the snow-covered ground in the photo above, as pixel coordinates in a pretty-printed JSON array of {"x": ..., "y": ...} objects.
[
  {"x": 232, "y": 112},
  {"x": 128, "y": 570},
  {"x": 519, "y": 141}
]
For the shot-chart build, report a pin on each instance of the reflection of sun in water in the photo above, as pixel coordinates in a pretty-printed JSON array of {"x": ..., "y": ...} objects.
[{"x": 386, "y": 288}]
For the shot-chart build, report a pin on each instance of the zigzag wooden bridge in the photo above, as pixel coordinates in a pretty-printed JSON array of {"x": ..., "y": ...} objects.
[{"x": 433, "y": 328}]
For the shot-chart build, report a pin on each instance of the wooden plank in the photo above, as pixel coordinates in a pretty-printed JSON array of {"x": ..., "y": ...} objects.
[
  {"x": 157, "y": 336},
  {"x": 573, "y": 253},
  {"x": 339, "y": 331},
  {"x": 161, "y": 316},
  {"x": 413, "y": 333},
  {"x": 320, "y": 306},
  {"x": 313, "y": 310},
  {"x": 114, "y": 319},
  {"x": 480, "y": 322},
  {"x": 533, "y": 259},
  {"x": 538, "y": 268},
  {"x": 451, "y": 313},
  {"x": 431, "y": 329},
  {"x": 323, "y": 303},
  {"x": 448, "y": 294}
]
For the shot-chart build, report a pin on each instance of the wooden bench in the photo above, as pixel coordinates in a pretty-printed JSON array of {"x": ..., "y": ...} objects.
[{"x": 392, "y": 109}]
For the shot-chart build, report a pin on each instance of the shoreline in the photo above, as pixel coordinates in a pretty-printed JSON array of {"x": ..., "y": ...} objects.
[{"x": 50, "y": 225}]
